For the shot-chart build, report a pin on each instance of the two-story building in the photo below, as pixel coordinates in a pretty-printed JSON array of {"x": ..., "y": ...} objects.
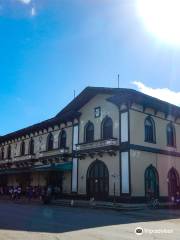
[{"x": 108, "y": 143}]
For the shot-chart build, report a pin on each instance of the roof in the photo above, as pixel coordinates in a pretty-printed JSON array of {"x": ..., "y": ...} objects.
[
  {"x": 84, "y": 97},
  {"x": 119, "y": 95},
  {"x": 131, "y": 95}
]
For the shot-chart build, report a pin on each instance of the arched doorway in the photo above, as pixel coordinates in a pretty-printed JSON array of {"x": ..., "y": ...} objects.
[
  {"x": 151, "y": 182},
  {"x": 173, "y": 182},
  {"x": 98, "y": 180}
]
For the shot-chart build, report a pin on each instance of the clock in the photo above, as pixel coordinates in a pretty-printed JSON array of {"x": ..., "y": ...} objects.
[{"x": 97, "y": 112}]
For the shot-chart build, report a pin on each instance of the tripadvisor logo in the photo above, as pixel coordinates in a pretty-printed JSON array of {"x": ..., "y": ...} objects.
[{"x": 139, "y": 231}]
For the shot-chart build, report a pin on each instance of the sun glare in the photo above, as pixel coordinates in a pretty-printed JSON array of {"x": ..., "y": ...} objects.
[{"x": 162, "y": 18}]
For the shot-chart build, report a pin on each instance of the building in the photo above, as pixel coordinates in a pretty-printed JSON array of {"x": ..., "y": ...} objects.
[{"x": 107, "y": 143}]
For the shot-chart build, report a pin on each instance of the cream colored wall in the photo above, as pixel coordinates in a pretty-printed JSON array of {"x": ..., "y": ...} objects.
[
  {"x": 112, "y": 163},
  {"x": 39, "y": 143},
  {"x": 107, "y": 109},
  {"x": 140, "y": 160},
  {"x": 137, "y": 134}
]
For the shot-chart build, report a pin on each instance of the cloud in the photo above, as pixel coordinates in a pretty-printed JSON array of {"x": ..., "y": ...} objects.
[
  {"x": 164, "y": 94},
  {"x": 25, "y": 1}
]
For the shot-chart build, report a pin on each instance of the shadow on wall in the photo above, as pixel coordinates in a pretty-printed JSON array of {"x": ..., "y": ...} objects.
[{"x": 51, "y": 219}]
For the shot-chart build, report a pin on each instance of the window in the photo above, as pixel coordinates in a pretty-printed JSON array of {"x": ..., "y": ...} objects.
[
  {"x": 31, "y": 146},
  {"x": 50, "y": 142},
  {"x": 2, "y": 153},
  {"x": 89, "y": 132},
  {"x": 23, "y": 148},
  {"x": 62, "y": 139},
  {"x": 9, "y": 152},
  {"x": 171, "y": 135},
  {"x": 107, "y": 128},
  {"x": 149, "y": 130}
]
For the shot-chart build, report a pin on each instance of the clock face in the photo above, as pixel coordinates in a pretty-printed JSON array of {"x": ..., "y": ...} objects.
[{"x": 97, "y": 112}]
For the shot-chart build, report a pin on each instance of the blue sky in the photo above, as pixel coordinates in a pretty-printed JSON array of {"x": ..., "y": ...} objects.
[{"x": 48, "y": 48}]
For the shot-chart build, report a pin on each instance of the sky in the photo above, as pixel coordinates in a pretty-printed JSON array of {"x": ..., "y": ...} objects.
[{"x": 49, "y": 48}]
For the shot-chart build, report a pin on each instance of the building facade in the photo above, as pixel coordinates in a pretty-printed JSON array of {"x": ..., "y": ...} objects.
[{"x": 107, "y": 143}]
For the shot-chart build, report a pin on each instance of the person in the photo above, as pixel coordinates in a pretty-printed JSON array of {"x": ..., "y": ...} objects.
[
  {"x": 11, "y": 192},
  {"x": 177, "y": 199},
  {"x": 1, "y": 191},
  {"x": 19, "y": 192},
  {"x": 47, "y": 196},
  {"x": 15, "y": 193},
  {"x": 30, "y": 193}
]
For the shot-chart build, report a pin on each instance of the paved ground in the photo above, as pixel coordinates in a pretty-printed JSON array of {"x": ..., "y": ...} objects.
[{"x": 25, "y": 222}]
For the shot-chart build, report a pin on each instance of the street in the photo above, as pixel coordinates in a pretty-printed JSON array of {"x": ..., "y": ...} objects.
[{"x": 23, "y": 221}]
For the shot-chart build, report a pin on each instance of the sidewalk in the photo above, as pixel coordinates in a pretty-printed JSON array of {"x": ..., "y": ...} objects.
[
  {"x": 98, "y": 204},
  {"x": 88, "y": 204},
  {"x": 107, "y": 205}
]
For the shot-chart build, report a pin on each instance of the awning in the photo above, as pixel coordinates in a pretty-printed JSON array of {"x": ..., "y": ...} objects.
[
  {"x": 55, "y": 167},
  {"x": 65, "y": 166}
]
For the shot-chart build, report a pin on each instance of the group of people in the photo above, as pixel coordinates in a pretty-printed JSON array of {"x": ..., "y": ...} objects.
[
  {"x": 30, "y": 192},
  {"x": 16, "y": 192},
  {"x": 176, "y": 198}
]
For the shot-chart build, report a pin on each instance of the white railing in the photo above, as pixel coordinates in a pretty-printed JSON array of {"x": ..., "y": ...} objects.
[
  {"x": 97, "y": 144},
  {"x": 23, "y": 158},
  {"x": 53, "y": 152},
  {"x": 5, "y": 161}
]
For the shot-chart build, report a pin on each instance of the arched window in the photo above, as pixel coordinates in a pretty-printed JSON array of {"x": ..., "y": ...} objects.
[
  {"x": 149, "y": 130},
  {"x": 151, "y": 182},
  {"x": 171, "y": 139},
  {"x": 31, "y": 146},
  {"x": 2, "y": 153},
  {"x": 89, "y": 132},
  {"x": 107, "y": 128},
  {"x": 62, "y": 139},
  {"x": 23, "y": 148},
  {"x": 9, "y": 152},
  {"x": 50, "y": 142}
]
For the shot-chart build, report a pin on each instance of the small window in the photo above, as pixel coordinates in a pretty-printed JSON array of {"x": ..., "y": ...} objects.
[
  {"x": 9, "y": 152},
  {"x": 50, "y": 142},
  {"x": 62, "y": 139},
  {"x": 171, "y": 135},
  {"x": 149, "y": 130},
  {"x": 23, "y": 148},
  {"x": 97, "y": 112},
  {"x": 31, "y": 146},
  {"x": 107, "y": 128},
  {"x": 89, "y": 132}
]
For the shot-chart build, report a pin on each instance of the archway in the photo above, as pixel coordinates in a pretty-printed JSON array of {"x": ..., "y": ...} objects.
[
  {"x": 98, "y": 180},
  {"x": 173, "y": 182},
  {"x": 151, "y": 182}
]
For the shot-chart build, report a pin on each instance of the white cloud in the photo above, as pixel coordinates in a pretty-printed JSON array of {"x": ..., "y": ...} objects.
[
  {"x": 25, "y": 1},
  {"x": 164, "y": 94}
]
